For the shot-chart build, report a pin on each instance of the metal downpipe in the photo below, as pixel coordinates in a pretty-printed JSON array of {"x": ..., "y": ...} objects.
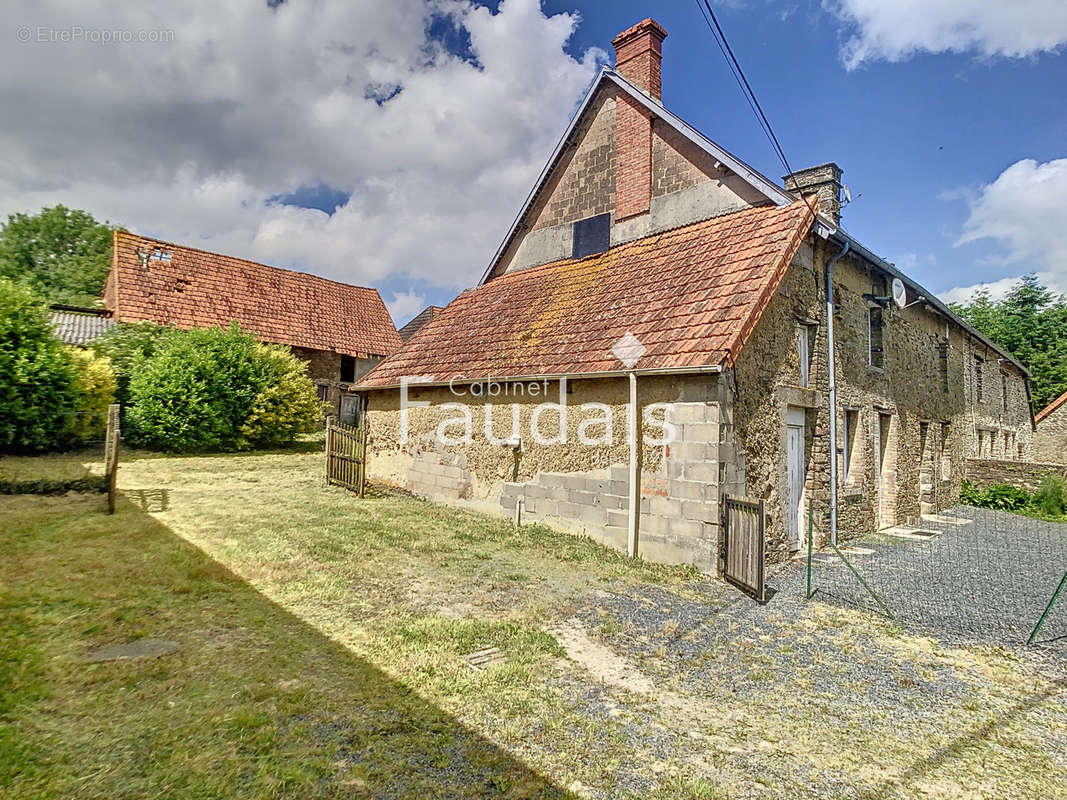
[{"x": 831, "y": 374}]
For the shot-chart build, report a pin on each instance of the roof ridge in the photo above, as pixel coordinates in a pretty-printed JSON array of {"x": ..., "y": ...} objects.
[{"x": 123, "y": 231}]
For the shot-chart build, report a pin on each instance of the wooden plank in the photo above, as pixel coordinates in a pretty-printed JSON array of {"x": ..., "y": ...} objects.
[{"x": 111, "y": 447}]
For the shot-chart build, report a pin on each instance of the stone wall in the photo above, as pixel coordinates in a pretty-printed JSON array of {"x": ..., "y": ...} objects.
[
  {"x": 1050, "y": 437},
  {"x": 324, "y": 369},
  {"x": 1028, "y": 475},
  {"x": 574, "y": 487},
  {"x": 919, "y": 411},
  {"x": 684, "y": 186}
]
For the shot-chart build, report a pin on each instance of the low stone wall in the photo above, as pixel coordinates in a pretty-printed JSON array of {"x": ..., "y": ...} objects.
[{"x": 1028, "y": 474}]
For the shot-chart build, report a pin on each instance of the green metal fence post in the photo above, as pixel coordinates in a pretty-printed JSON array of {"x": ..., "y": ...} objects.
[
  {"x": 1048, "y": 608},
  {"x": 859, "y": 577}
]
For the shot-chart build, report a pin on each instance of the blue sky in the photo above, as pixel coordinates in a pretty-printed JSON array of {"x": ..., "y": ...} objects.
[
  {"x": 391, "y": 144},
  {"x": 916, "y": 138}
]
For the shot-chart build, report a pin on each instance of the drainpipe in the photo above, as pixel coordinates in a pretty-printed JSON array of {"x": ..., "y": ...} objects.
[
  {"x": 635, "y": 495},
  {"x": 831, "y": 373}
]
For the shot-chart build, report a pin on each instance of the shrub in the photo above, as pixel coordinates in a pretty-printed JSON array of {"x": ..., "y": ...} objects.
[
  {"x": 1049, "y": 496},
  {"x": 999, "y": 496},
  {"x": 94, "y": 380},
  {"x": 195, "y": 391},
  {"x": 287, "y": 406},
  {"x": 214, "y": 389},
  {"x": 125, "y": 346},
  {"x": 37, "y": 381}
]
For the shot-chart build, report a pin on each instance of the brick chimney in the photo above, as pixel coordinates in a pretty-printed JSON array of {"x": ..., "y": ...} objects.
[
  {"x": 824, "y": 181},
  {"x": 638, "y": 55}
]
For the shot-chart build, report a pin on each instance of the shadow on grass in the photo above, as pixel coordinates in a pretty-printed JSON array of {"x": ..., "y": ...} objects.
[
  {"x": 255, "y": 703},
  {"x": 981, "y": 735}
]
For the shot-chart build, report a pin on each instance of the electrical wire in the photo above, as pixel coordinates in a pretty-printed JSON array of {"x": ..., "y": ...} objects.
[{"x": 708, "y": 13}]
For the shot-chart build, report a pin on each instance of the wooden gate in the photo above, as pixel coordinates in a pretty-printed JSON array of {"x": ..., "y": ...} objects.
[
  {"x": 346, "y": 448},
  {"x": 743, "y": 524}
]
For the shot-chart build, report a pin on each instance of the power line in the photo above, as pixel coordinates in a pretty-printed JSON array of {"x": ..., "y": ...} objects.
[{"x": 717, "y": 33}]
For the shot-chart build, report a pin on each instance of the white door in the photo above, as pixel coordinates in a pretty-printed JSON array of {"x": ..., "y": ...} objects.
[{"x": 795, "y": 475}]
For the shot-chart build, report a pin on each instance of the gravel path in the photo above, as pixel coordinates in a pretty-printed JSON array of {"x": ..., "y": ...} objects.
[{"x": 987, "y": 580}]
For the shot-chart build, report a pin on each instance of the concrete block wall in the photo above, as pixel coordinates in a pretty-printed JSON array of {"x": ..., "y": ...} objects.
[
  {"x": 679, "y": 502},
  {"x": 439, "y": 476}
]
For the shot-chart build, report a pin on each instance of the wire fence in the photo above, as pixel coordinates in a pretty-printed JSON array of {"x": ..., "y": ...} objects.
[{"x": 986, "y": 576}]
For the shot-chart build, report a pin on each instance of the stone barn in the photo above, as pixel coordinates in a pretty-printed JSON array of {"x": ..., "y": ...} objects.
[
  {"x": 653, "y": 333},
  {"x": 340, "y": 331}
]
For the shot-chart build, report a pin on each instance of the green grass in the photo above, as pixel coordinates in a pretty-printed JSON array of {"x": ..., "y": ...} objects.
[{"x": 322, "y": 655}]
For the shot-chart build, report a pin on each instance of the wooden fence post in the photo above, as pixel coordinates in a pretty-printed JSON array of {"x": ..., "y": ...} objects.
[
  {"x": 111, "y": 455},
  {"x": 329, "y": 438},
  {"x": 363, "y": 461}
]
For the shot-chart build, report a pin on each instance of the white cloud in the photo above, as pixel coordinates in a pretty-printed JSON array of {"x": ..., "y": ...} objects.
[
  {"x": 405, "y": 305},
  {"x": 1023, "y": 212},
  {"x": 895, "y": 30},
  {"x": 189, "y": 140}
]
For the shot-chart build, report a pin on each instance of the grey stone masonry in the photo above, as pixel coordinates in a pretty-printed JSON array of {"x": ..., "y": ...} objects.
[{"x": 679, "y": 501}]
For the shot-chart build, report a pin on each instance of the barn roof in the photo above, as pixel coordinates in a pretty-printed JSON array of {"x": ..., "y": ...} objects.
[
  {"x": 79, "y": 326},
  {"x": 690, "y": 296},
  {"x": 1059, "y": 401},
  {"x": 170, "y": 284}
]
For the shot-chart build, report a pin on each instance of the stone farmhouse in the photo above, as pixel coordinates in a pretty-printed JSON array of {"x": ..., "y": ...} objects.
[
  {"x": 1050, "y": 432},
  {"x": 340, "y": 331},
  {"x": 651, "y": 269}
]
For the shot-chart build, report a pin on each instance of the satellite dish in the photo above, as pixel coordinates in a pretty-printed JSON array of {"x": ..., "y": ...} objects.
[
  {"x": 900, "y": 294},
  {"x": 848, "y": 194}
]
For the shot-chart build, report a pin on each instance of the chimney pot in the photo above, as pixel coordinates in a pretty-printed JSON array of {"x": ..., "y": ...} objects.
[{"x": 639, "y": 55}]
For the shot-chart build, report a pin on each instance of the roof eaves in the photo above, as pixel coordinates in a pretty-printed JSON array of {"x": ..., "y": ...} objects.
[
  {"x": 430, "y": 381},
  {"x": 929, "y": 297}
]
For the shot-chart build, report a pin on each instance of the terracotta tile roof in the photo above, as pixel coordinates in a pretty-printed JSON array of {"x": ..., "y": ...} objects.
[
  {"x": 1059, "y": 401},
  {"x": 191, "y": 288},
  {"x": 690, "y": 295},
  {"x": 419, "y": 321}
]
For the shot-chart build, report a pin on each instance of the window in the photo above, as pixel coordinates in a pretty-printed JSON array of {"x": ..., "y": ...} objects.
[
  {"x": 875, "y": 350},
  {"x": 323, "y": 391},
  {"x": 978, "y": 381},
  {"x": 1007, "y": 445},
  {"x": 804, "y": 354},
  {"x": 1004, "y": 391},
  {"x": 848, "y": 450},
  {"x": 348, "y": 369},
  {"x": 591, "y": 236}
]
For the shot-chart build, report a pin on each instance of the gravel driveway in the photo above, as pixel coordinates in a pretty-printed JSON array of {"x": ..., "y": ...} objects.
[{"x": 973, "y": 574}]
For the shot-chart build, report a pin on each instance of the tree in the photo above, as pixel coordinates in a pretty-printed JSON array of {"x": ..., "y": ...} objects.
[
  {"x": 61, "y": 253},
  {"x": 38, "y": 391},
  {"x": 1031, "y": 324}
]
